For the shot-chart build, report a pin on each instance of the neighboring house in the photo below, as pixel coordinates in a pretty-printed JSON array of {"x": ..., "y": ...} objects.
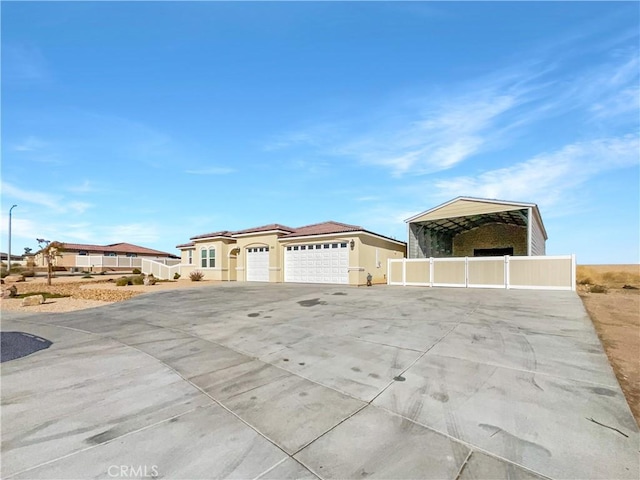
[
  {"x": 115, "y": 257},
  {"x": 328, "y": 252},
  {"x": 476, "y": 227}
]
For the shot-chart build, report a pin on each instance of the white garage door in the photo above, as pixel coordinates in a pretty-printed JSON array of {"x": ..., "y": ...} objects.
[
  {"x": 258, "y": 264},
  {"x": 317, "y": 263}
]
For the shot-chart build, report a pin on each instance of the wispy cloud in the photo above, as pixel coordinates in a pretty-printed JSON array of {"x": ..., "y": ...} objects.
[
  {"x": 53, "y": 202},
  {"x": 85, "y": 187},
  {"x": 29, "y": 144},
  {"x": 551, "y": 177},
  {"x": 211, "y": 171}
]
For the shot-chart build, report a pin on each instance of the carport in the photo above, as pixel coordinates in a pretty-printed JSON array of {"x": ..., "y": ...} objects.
[{"x": 476, "y": 227}]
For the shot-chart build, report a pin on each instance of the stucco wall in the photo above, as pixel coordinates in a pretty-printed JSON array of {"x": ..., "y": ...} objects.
[
  {"x": 373, "y": 253},
  {"x": 493, "y": 235}
]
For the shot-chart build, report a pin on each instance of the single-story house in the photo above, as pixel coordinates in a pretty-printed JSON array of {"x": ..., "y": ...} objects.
[
  {"x": 327, "y": 252},
  {"x": 476, "y": 227},
  {"x": 115, "y": 256}
]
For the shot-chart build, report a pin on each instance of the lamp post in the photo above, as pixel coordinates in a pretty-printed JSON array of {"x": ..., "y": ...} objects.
[{"x": 9, "y": 255}]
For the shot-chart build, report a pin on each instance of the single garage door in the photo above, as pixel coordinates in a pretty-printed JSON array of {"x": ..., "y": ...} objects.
[
  {"x": 258, "y": 264},
  {"x": 317, "y": 263}
]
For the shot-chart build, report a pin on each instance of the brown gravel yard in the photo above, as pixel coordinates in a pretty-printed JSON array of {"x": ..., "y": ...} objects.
[{"x": 85, "y": 293}]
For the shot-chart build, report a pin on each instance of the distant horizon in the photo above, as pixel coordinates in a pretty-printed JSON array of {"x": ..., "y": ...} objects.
[{"x": 152, "y": 122}]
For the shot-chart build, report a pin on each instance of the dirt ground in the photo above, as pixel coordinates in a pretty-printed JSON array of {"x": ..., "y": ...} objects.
[{"x": 616, "y": 317}]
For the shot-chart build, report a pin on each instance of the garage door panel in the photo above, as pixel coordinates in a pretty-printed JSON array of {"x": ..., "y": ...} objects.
[
  {"x": 258, "y": 264},
  {"x": 319, "y": 263}
]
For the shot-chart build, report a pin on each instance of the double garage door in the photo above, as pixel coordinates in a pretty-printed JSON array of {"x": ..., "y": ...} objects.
[{"x": 317, "y": 263}]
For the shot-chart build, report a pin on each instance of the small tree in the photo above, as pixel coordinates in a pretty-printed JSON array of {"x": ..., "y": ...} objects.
[
  {"x": 49, "y": 251},
  {"x": 27, "y": 251}
]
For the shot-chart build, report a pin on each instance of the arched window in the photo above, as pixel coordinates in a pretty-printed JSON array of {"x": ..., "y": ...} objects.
[
  {"x": 203, "y": 258},
  {"x": 212, "y": 257}
]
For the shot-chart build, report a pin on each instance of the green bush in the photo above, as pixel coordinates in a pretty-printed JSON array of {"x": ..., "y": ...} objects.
[
  {"x": 29, "y": 273},
  {"x": 136, "y": 271},
  {"x": 176, "y": 276},
  {"x": 196, "y": 276},
  {"x": 136, "y": 280},
  {"x": 122, "y": 281}
]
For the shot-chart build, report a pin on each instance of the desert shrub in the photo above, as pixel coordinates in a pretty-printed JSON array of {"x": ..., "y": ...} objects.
[
  {"x": 122, "y": 281},
  {"x": 29, "y": 273},
  {"x": 102, "y": 273},
  {"x": 3, "y": 273},
  {"x": 584, "y": 281},
  {"x": 16, "y": 269},
  {"x": 151, "y": 280},
  {"x": 136, "y": 271},
  {"x": 196, "y": 276},
  {"x": 176, "y": 276},
  {"x": 598, "y": 289},
  {"x": 136, "y": 280},
  {"x": 87, "y": 275}
]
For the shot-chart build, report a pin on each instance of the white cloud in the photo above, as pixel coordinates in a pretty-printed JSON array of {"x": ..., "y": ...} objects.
[
  {"x": 549, "y": 179},
  {"x": 29, "y": 144},
  {"x": 53, "y": 202},
  {"x": 23, "y": 64}
]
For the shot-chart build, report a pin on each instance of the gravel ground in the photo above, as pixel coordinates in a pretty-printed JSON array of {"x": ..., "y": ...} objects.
[{"x": 85, "y": 293}]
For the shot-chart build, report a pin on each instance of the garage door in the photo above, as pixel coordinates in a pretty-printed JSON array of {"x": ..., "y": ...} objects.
[
  {"x": 258, "y": 264},
  {"x": 317, "y": 263}
]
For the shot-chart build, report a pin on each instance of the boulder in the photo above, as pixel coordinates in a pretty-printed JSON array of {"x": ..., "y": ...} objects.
[
  {"x": 32, "y": 300},
  {"x": 14, "y": 278},
  {"x": 10, "y": 292}
]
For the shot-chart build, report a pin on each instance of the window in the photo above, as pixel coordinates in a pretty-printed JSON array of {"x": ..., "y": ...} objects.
[
  {"x": 83, "y": 252},
  {"x": 212, "y": 258},
  {"x": 288, "y": 248},
  {"x": 326, "y": 245},
  {"x": 132, "y": 255},
  {"x": 344, "y": 245},
  {"x": 318, "y": 247},
  {"x": 203, "y": 258},
  {"x": 110, "y": 254},
  {"x": 296, "y": 247},
  {"x": 334, "y": 245},
  {"x": 303, "y": 247},
  {"x": 190, "y": 257}
]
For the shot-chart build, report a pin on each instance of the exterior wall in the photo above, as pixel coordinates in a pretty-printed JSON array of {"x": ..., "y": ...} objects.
[
  {"x": 372, "y": 254},
  {"x": 538, "y": 242},
  {"x": 492, "y": 235},
  {"x": 463, "y": 208},
  {"x": 276, "y": 256},
  {"x": 221, "y": 271},
  {"x": 184, "y": 256}
]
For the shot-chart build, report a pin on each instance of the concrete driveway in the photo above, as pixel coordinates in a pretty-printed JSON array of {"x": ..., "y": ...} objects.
[{"x": 306, "y": 381}]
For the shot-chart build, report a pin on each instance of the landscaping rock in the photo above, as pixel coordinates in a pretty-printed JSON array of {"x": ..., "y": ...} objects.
[
  {"x": 14, "y": 278},
  {"x": 32, "y": 300},
  {"x": 10, "y": 292}
]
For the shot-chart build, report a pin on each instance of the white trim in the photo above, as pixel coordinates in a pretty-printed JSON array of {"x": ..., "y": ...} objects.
[
  {"x": 471, "y": 199},
  {"x": 356, "y": 269},
  {"x": 414, "y": 284},
  {"x": 473, "y": 285},
  {"x": 206, "y": 239},
  {"x": 456, "y": 285},
  {"x": 239, "y": 268},
  {"x": 274, "y": 269},
  {"x": 536, "y": 287},
  {"x": 541, "y": 257}
]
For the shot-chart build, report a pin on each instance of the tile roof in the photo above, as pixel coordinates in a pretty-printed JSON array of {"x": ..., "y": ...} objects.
[
  {"x": 222, "y": 233},
  {"x": 184, "y": 245},
  {"x": 324, "y": 228},
  {"x": 266, "y": 228},
  {"x": 115, "y": 247}
]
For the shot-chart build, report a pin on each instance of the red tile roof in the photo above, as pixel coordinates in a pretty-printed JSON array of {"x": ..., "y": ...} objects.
[
  {"x": 185, "y": 245},
  {"x": 324, "y": 228},
  {"x": 222, "y": 233},
  {"x": 115, "y": 247},
  {"x": 266, "y": 228}
]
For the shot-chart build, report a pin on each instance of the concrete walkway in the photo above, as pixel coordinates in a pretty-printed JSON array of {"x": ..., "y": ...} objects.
[{"x": 306, "y": 381}]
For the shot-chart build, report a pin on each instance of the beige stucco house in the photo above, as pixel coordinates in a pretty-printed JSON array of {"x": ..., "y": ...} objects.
[
  {"x": 328, "y": 252},
  {"x": 113, "y": 257}
]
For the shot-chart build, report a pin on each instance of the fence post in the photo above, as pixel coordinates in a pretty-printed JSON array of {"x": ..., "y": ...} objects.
[
  {"x": 404, "y": 272},
  {"x": 431, "y": 270},
  {"x": 466, "y": 272},
  {"x": 506, "y": 272}
]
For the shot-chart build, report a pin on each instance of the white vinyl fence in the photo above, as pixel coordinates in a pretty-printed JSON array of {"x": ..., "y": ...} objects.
[
  {"x": 118, "y": 261},
  {"x": 536, "y": 272},
  {"x": 160, "y": 270}
]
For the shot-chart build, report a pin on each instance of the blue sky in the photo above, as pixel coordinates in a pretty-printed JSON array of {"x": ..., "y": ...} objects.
[{"x": 150, "y": 122}]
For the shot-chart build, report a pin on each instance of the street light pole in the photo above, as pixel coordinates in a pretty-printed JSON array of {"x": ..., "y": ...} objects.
[{"x": 9, "y": 255}]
